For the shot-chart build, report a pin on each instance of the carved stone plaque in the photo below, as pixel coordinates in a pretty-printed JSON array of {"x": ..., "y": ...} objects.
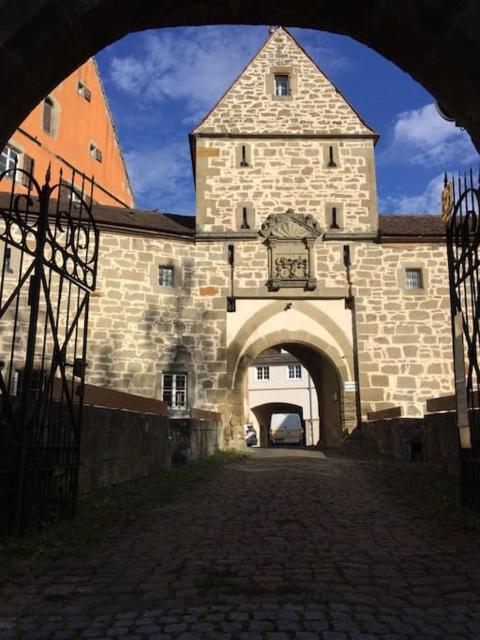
[{"x": 289, "y": 238}]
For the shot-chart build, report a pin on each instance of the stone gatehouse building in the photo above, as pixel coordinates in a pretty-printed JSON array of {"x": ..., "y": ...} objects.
[{"x": 287, "y": 250}]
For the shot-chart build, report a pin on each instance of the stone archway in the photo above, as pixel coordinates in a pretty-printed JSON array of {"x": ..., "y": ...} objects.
[
  {"x": 435, "y": 42},
  {"x": 327, "y": 368}
]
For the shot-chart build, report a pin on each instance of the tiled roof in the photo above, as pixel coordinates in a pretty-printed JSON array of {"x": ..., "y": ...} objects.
[
  {"x": 274, "y": 356},
  {"x": 121, "y": 217},
  {"x": 408, "y": 226},
  {"x": 411, "y": 225},
  {"x": 148, "y": 220}
]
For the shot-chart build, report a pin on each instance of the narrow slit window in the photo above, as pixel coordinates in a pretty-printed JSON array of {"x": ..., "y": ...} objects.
[
  {"x": 334, "y": 223},
  {"x": 48, "y": 115},
  {"x": 243, "y": 156},
  {"x": 413, "y": 279},
  {"x": 282, "y": 84},
  {"x": 244, "y": 224},
  {"x": 331, "y": 157},
  {"x": 8, "y": 260}
]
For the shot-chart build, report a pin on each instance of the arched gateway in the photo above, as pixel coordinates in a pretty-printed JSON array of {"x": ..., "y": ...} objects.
[
  {"x": 288, "y": 249},
  {"x": 435, "y": 42}
]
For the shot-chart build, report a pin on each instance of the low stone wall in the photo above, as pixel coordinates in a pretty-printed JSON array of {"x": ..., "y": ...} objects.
[
  {"x": 441, "y": 442},
  {"x": 432, "y": 439},
  {"x": 194, "y": 438},
  {"x": 400, "y": 438},
  {"x": 119, "y": 445}
]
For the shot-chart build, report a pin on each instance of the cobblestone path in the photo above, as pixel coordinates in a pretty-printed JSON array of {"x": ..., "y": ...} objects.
[{"x": 285, "y": 544}]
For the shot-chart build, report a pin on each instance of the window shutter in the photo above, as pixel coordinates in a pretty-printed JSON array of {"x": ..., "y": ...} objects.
[
  {"x": 87, "y": 94},
  {"x": 28, "y": 164},
  {"x": 98, "y": 155}
]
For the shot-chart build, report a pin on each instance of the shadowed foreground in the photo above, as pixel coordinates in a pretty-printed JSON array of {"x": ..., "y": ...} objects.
[{"x": 283, "y": 544}]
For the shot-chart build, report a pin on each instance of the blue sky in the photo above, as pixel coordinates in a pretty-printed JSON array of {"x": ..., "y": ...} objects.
[{"x": 161, "y": 83}]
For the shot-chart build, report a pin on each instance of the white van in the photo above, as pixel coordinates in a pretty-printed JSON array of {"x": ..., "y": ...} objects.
[{"x": 286, "y": 428}]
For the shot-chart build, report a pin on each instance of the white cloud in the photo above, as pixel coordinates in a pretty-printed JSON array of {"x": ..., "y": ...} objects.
[
  {"x": 193, "y": 65},
  {"x": 164, "y": 175},
  {"x": 421, "y": 137},
  {"x": 426, "y": 202}
]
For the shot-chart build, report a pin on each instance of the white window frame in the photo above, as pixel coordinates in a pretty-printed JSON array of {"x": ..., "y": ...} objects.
[
  {"x": 163, "y": 269},
  {"x": 10, "y": 153},
  {"x": 262, "y": 374},
  {"x": 293, "y": 370},
  {"x": 178, "y": 393},
  {"x": 418, "y": 285}
]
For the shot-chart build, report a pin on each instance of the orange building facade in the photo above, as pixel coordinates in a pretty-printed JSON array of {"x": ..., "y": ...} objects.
[{"x": 72, "y": 130}]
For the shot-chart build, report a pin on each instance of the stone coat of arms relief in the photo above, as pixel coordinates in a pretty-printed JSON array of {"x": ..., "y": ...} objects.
[{"x": 289, "y": 238}]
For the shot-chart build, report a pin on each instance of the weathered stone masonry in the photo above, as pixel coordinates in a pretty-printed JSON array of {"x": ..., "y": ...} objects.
[{"x": 297, "y": 162}]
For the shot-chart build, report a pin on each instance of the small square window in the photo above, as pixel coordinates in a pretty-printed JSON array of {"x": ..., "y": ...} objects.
[
  {"x": 294, "y": 372},
  {"x": 413, "y": 279},
  {"x": 174, "y": 390},
  {"x": 282, "y": 84},
  {"x": 263, "y": 373},
  {"x": 165, "y": 276}
]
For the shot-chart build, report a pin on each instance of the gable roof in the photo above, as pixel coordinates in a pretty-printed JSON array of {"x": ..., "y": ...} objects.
[{"x": 364, "y": 129}]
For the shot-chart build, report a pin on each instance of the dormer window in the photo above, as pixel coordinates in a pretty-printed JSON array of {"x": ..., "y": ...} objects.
[{"x": 282, "y": 84}]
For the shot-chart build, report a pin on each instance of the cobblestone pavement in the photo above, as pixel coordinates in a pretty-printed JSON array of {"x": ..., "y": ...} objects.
[{"x": 285, "y": 544}]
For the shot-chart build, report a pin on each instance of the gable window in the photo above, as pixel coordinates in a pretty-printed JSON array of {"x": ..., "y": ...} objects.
[
  {"x": 8, "y": 158},
  {"x": 48, "y": 116},
  {"x": 165, "y": 276},
  {"x": 263, "y": 373},
  {"x": 282, "y": 84},
  {"x": 413, "y": 279},
  {"x": 84, "y": 91},
  {"x": 294, "y": 372},
  {"x": 174, "y": 390}
]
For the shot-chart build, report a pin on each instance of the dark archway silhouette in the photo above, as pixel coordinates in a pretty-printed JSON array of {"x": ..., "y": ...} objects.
[
  {"x": 435, "y": 42},
  {"x": 263, "y": 414}
]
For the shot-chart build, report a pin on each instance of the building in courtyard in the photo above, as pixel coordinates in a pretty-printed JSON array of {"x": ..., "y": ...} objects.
[
  {"x": 72, "y": 131},
  {"x": 287, "y": 251}
]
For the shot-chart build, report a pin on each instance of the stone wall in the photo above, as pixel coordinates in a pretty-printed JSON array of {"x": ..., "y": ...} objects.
[
  {"x": 432, "y": 439},
  {"x": 138, "y": 329},
  {"x": 119, "y": 445},
  {"x": 404, "y": 336},
  {"x": 282, "y": 174},
  {"x": 194, "y": 438}
]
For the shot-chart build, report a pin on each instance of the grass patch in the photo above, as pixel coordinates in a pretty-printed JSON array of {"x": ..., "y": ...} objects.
[{"x": 119, "y": 505}]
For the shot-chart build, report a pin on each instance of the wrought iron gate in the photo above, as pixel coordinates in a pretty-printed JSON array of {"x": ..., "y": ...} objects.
[
  {"x": 461, "y": 208},
  {"x": 48, "y": 261}
]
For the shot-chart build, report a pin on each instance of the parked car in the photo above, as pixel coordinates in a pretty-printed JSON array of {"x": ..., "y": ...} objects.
[
  {"x": 286, "y": 428},
  {"x": 250, "y": 435}
]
